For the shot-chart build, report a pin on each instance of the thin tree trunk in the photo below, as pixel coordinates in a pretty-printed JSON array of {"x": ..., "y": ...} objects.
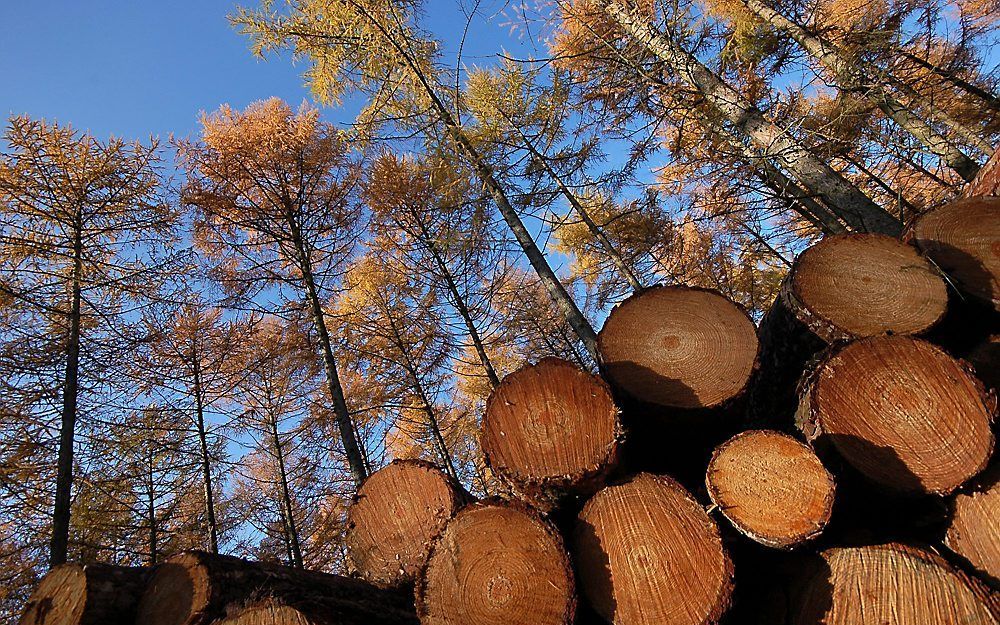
[
  {"x": 151, "y": 510},
  {"x": 991, "y": 100},
  {"x": 59, "y": 545},
  {"x": 854, "y": 79},
  {"x": 968, "y": 133},
  {"x": 291, "y": 532},
  {"x": 853, "y": 206},
  {"x": 206, "y": 467}
]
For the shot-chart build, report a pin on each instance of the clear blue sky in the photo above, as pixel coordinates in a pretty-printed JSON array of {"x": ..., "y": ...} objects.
[{"x": 136, "y": 68}]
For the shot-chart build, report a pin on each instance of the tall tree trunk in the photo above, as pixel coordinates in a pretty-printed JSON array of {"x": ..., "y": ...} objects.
[
  {"x": 206, "y": 466},
  {"x": 291, "y": 531},
  {"x": 916, "y": 99},
  {"x": 871, "y": 87},
  {"x": 991, "y": 100},
  {"x": 352, "y": 448},
  {"x": 59, "y": 545},
  {"x": 851, "y": 205},
  {"x": 151, "y": 510}
]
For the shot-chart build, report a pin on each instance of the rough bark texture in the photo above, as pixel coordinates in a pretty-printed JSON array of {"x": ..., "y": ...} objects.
[
  {"x": 900, "y": 411},
  {"x": 842, "y": 288},
  {"x": 551, "y": 430},
  {"x": 988, "y": 181},
  {"x": 647, "y": 552},
  {"x": 974, "y": 528},
  {"x": 394, "y": 519},
  {"x": 196, "y": 588},
  {"x": 497, "y": 564},
  {"x": 93, "y": 594},
  {"x": 771, "y": 487},
  {"x": 889, "y": 583},
  {"x": 319, "y": 610},
  {"x": 963, "y": 240}
]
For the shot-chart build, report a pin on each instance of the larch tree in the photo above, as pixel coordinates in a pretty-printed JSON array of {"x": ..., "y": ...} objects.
[{"x": 274, "y": 196}]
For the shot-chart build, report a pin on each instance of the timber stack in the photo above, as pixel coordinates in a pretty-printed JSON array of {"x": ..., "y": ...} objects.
[{"x": 832, "y": 464}]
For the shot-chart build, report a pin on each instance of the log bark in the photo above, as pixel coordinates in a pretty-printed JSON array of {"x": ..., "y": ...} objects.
[
  {"x": 987, "y": 183},
  {"x": 497, "y": 564},
  {"x": 196, "y": 588},
  {"x": 963, "y": 240},
  {"x": 843, "y": 288},
  {"x": 974, "y": 528},
  {"x": 647, "y": 552},
  {"x": 319, "y": 610},
  {"x": 551, "y": 431},
  {"x": 889, "y": 583},
  {"x": 900, "y": 411},
  {"x": 678, "y": 348},
  {"x": 92, "y": 594},
  {"x": 395, "y": 517},
  {"x": 771, "y": 487}
]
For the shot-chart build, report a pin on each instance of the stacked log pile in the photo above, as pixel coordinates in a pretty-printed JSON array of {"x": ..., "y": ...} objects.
[{"x": 834, "y": 465}]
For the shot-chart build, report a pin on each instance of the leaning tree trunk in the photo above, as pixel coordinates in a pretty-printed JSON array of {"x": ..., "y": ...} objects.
[
  {"x": 853, "y": 206},
  {"x": 92, "y": 594},
  {"x": 853, "y": 79},
  {"x": 991, "y": 100}
]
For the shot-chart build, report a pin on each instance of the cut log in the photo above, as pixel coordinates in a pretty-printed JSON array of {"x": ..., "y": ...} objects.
[
  {"x": 497, "y": 564},
  {"x": 974, "y": 530},
  {"x": 195, "y": 588},
  {"x": 678, "y": 347},
  {"x": 890, "y": 583},
  {"x": 92, "y": 594},
  {"x": 902, "y": 412},
  {"x": 551, "y": 429},
  {"x": 648, "y": 553},
  {"x": 395, "y": 517},
  {"x": 987, "y": 181},
  {"x": 318, "y": 610},
  {"x": 963, "y": 239},
  {"x": 845, "y": 287},
  {"x": 771, "y": 487}
]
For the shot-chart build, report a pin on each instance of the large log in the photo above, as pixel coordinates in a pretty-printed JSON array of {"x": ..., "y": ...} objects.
[
  {"x": 974, "y": 528},
  {"x": 91, "y": 594},
  {"x": 318, "y": 610},
  {"x": 551, "y": 430},
  {"x": 900, "y": 411},
  {"x": 843, "y": 288},
  {"x": 497, "y": 564},
  {"x": 963, "y": 239},
  {"x": 647, "y": 553},
  {"x": 196, "y": 588},
  {"x": 771, "y": 487},
  {"x": 678, "y": 348},
  {"x": 890, "y": 583},
  {"x": 395, "y": 517}
]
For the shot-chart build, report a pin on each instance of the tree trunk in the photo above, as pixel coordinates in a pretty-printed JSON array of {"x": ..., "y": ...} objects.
[
  {"x": 771, "y": 487},
  {"x": 842, "y": 288},
  {"x": 851, "y": 205},
  {"x": 151, "y": 510},
  {"x": 901, "y": 412},
  {"x": 634, "y": 539},
  {"x": 497, "y": 564},
  {"x": 206, "y": 465},
  {"x": 95, "y": 594},
  {"x": 853, "y": 79},
  {"x": 291, "y": 531},
  {"x": 551, "y": 430},
  {"x": 59, "y": 545},
  {"x": 395, "y": 518},
  {"x": 196, "y": 588},
  {"x": 968, "y": 133},
  {"x": 992, "y": 101}
]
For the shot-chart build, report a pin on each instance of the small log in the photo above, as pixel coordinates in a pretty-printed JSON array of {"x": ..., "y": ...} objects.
[
  {"x": 900, "y": 411},
  {"x": 678, "y": 348},
  {"x": 318, "y": 610},
  {"x": 195, "y": 588},
  {"x": 771, "y": 487},
  {"x": 974, "y": 529},
  {"x": 963, "y": 239},
  {"x": 890, "y": 583},
  {"x": 91, "y": 594},
  {"x": 497, "y": 564},
  {"x": 647, "y": 552},
  {"x": 551, "y": 430},
  {"x": 395, "y": 517},
  {"x": 843, "y": 288}
]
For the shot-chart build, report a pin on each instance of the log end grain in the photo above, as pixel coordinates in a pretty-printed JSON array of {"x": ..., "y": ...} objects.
[
  {"x": 76, "y": 594},
  {"x": 679, "y": 347},
  {"x": 60, "y": 598},
  {"x": 902, "y": 412},
  {"x": 317, "y": 611},
  {"x": 497, "y": 564},
  {"x": 551, "y": 428},
  {"x": 647, "y": 552},
  {"x": 395, "y": 517},
  {"x": 974, "y": 529},
  {"x": 857, "y": 285},
  {"x": 771, "y": 487}
]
